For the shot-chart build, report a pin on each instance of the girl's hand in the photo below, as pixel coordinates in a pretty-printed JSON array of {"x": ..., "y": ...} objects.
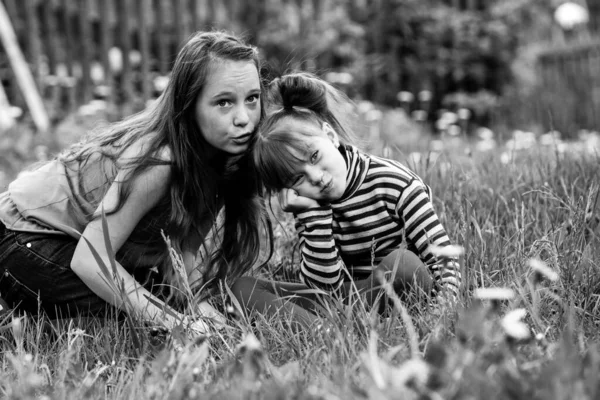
[
  {"x": 208, "y": 312},
  {"x": 290, "y": 201},
  {"x": 198, "y": 327}
]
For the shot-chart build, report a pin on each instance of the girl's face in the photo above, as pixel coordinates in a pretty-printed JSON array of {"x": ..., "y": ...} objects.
[
  {"x": 228, "y": 107},
  {"x": 322, "y": 174}
]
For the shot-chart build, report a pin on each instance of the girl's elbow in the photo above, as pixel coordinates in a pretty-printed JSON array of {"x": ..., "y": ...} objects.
[
  {"x": 77, "y": 264},
  {"x": 80, "y": 263}
]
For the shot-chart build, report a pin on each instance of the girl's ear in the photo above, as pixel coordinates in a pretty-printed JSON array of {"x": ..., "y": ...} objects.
[{"x": 331, "y": 134}]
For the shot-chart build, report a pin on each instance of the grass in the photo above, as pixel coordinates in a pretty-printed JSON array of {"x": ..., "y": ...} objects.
[{"x": 540, "y": 205}]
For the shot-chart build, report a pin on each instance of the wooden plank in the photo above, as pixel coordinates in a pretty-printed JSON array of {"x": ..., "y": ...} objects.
[
  {"x": 84, "y": 50},
  {"x": 144, "y": 43},
  {"x": 594, "y": 66},
  {"x": 195, "y": 13},
  {"x": 161, "y": 37},
  {"x": 126, "y": 78},
  {"x": 19, "y": 26},
  {"x": 6, "y": 118},
  {"x": 211, "y": 13},
  {"x": 179, "y": 20},
  {"x": 49, "y": 35},
  {"x": 22, "y": 72},
  {"x": 106, "y": 43},
  {"x": 69, "y": 43}
]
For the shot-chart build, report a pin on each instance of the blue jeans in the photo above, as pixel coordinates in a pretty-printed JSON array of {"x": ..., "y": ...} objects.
[{"x": 36, "y": 275}]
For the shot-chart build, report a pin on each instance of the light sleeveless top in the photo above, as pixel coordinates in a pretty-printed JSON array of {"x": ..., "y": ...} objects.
[{"x": 61, "y": 199}]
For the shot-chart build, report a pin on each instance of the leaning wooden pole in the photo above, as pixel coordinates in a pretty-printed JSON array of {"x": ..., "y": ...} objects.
[
  {"x": 6, "y": 118},
  {"x": 22, "y": 72}
]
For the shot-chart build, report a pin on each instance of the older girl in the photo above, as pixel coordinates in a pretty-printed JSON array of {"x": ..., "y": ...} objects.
[
  {"x": 169, "y": 169},
  {"x": 355, "y": 213}
]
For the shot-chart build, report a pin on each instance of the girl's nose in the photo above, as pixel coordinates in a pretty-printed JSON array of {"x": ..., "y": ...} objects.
[
  {"x": 241, "y": 117},
  {"x": 316, "y": 176}
]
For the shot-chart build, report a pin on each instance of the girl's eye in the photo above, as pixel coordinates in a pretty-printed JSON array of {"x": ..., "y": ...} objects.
[
  {"x": 224, "y": 103},
  {"x": 314, "y": 156},
  {"x": 253, "y": 99}
]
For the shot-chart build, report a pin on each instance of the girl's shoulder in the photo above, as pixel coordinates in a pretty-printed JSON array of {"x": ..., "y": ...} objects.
[
  {"x": 393, "y": 166},
  {"x": 148, "y": 145}
]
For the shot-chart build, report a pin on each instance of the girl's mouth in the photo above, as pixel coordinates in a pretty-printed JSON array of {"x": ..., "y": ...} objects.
[
  {"x": 243, "y": 139},
  {"x": 327, "y": 186}
]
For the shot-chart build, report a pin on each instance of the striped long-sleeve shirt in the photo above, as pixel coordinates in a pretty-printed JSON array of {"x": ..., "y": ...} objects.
[{"x": 384, "y": 204}]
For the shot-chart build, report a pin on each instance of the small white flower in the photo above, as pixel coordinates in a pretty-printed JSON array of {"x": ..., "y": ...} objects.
[
  {"x": 412, "y": 372},
  {"x": 494, "y": 294},
  {"x": 513, "y": 325},
  {"x": 539, "y": 267},
  {"x": 450, "y": 251},
  {"x": 516, "y": 315},
  {"x": 250, "y": 342}
]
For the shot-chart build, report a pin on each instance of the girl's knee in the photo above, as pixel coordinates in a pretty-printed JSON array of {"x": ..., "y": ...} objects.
[
  {"x": 409, "y": 269},
  {"x": 243, "y": 286}
]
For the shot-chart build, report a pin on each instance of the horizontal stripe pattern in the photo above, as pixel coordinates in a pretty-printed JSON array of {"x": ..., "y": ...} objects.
[{"x": 385, "y": 204}]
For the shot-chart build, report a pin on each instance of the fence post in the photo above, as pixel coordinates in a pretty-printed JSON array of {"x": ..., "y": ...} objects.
[
  {"x": 6, "y": 119},
  {"x": 106, "y": 42},
  {"x": 22, "y": 73},
  {"x": 84, "y": 40},
  {"x": 126, "y": 78},
  {"x": 144, "y": 44}
]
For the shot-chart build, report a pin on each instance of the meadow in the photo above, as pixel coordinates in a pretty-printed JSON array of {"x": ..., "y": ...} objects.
[{"x": 527, "y": 219}]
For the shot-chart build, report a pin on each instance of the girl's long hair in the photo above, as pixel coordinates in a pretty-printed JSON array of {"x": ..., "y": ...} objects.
[
  {"x": 293, "y": 97},
  {"x": 201, "y": 177}
]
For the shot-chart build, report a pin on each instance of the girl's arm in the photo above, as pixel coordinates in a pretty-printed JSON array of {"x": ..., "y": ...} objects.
[
  {"x": 424, "y": 231},
  {"x": 321, "y": 264},
  {"x": 203, "y": 310},
  {"x": 146, "y": 191}
]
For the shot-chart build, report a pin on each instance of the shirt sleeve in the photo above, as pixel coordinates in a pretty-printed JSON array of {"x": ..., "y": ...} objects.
[
  {"x": 321, "y": 266},
  {"x": 424, "y": 232}
]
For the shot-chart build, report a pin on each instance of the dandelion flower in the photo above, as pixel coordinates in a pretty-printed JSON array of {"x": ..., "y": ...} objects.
[
  {"x": 541, "y": 270},
  {"x": 250, "y": 343},
  {"x": 450, "y": 251},
  {"x": 494, "y": 294},
  {"x": 414, "y": 372},
  {"x": 513, "y": 325}
]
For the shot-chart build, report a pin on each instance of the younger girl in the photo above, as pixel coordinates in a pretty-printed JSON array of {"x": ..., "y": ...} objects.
[{"x": 354, "y": 211}]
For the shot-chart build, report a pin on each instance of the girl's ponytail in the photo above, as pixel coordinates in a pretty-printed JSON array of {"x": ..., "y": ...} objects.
[
  {"x": 304, "y": 95},
  {"x": 304, "y": 91}
]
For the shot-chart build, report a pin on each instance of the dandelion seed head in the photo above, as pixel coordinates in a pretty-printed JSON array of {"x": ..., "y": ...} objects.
[
  {"x": 542, "y": 270},
  {"x": 450, "y": 251},
  {"x": 494, "y": 294},
  {"x": 516, "y": 330},
  {"x": 513, "y": 325},
  {"x": 516, "y": 315},
  {"x": 250, "y": 342},
  {"x": 196, "y": 372},
  {"x": 412, "y": 372}
]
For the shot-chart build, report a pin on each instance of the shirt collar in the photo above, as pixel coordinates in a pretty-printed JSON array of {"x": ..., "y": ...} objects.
[{"x": 358, "y": 166}]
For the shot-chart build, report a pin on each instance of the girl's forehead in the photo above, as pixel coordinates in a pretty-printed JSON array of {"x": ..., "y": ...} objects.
[
  {"x": 297, "y": 125},
  {"x": 301, "y": 148}
]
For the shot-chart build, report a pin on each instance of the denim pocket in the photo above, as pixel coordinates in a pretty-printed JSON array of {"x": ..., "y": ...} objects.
[
  {"x": 15, "y": 293},
  {"x": 55, "y": 250}
]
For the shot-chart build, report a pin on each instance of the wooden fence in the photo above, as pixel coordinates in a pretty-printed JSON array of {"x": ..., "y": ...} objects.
[
  {"x": 79, "y": 50},
  {"x": 569, "y": 98}
]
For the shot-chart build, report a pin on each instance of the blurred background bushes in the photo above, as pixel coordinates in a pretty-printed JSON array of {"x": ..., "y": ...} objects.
[{"x": 426, "y": 56}]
